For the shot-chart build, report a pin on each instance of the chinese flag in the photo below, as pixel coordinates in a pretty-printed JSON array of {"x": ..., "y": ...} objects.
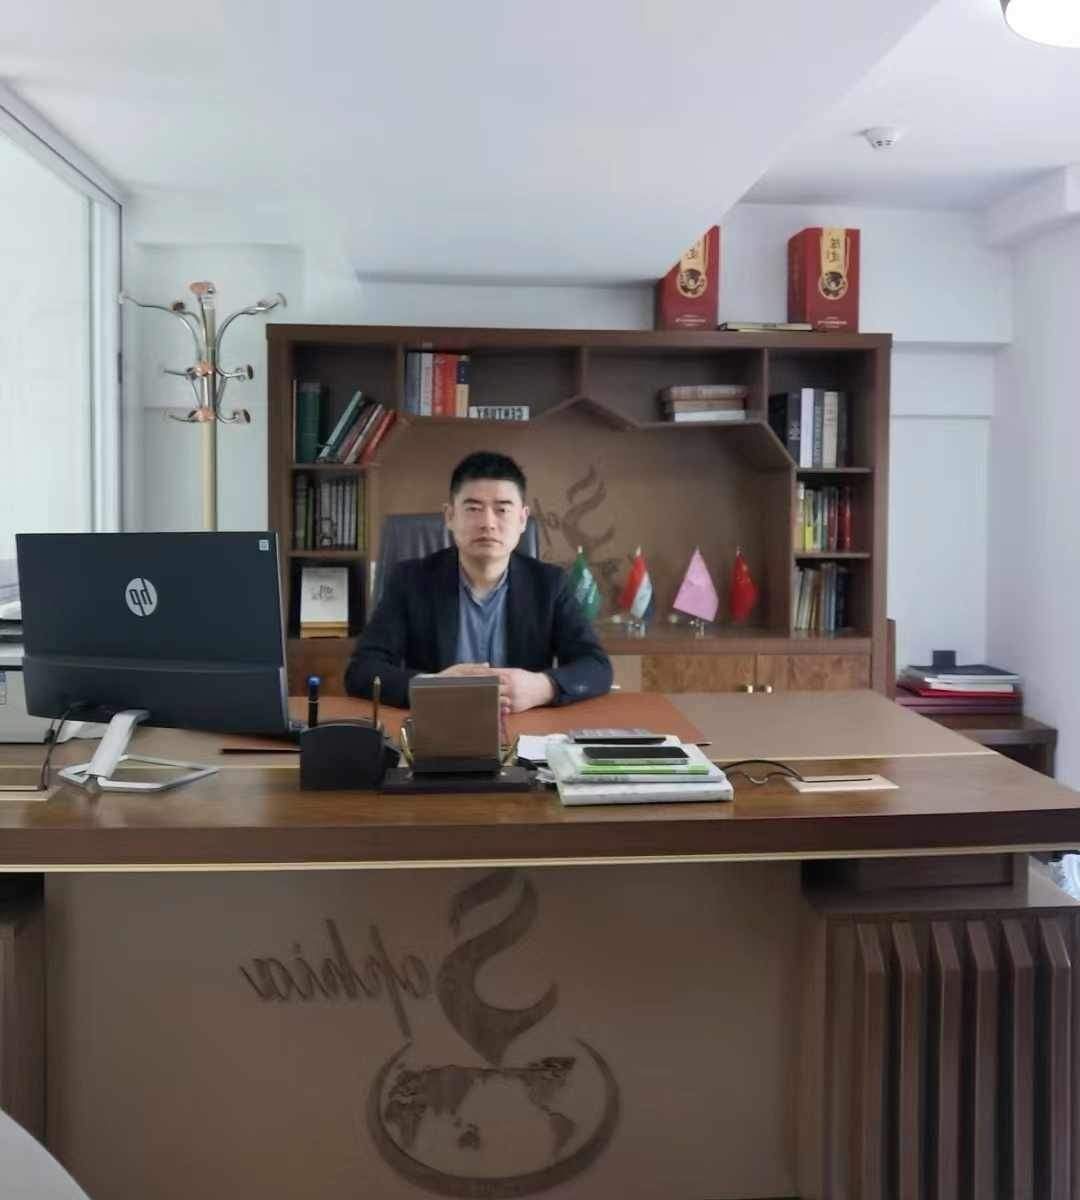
[{"x": 744, "y": 591}]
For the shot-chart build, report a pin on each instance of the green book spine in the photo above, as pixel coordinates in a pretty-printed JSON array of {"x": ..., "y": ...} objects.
[{"x": 309, "y": 421}]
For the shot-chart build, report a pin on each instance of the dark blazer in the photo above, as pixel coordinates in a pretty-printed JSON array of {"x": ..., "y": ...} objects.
[{"x": 415, "y": 629}]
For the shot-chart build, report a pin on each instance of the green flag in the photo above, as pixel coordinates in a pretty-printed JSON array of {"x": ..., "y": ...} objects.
[{"x": 583, "y": 586}]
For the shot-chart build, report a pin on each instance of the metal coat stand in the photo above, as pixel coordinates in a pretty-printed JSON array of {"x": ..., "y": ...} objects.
[{"x": 207, "y": 378}]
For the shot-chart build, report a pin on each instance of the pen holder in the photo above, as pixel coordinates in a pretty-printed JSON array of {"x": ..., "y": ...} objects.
[{"x": 344, "y": 755}]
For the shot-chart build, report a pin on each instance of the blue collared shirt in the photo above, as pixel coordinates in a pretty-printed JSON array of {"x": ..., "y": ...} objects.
[{"x": 482, "y": 624}]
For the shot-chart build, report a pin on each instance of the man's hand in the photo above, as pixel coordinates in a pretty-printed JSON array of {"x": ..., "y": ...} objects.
[
  {"x": 520, "y": 690},
  {"x": 469, "y": 669}
]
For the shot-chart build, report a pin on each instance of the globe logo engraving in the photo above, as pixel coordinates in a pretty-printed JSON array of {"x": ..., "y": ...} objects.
[{"x": 492, "y": 1124}]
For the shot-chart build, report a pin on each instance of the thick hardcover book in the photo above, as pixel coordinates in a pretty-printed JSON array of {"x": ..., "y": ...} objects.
[
  {"x": 412, "y": 382},
  {"x": 806, "y": 424},
  {"x": 959, "y": 694},
  {"x": 461, "y": 386},
  {"x": 829, "y": 429},
  {"x": 843, "y": 430},
  {"x": 444, "y": 399},
  {"x": 341, "y": 429},
  {"x": 817, "y": 454},
  {"x": 964, "y": 673},
  {"x": 785, "y": 417},
  {"x": 344, "y": 452},
  {"x": 427, "y": 383},
  {"x": 369, "y": 421},
  {"x": 381, "y": 430},
  {"x": 729, "y": 392},
  {"x": 310, "y": 419},
  {"x": 708, "y": 416}
]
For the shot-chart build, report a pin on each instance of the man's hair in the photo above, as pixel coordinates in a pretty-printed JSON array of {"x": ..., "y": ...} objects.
[{"x": 483, "y": 464}]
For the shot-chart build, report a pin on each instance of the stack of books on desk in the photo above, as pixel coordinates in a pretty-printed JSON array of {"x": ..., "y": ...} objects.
[
  {"x": 972, "y": 688},
  {"x": 615, "y": 780}
]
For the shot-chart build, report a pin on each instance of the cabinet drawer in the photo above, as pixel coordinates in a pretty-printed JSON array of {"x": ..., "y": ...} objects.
[
  {"x": 696, "y": 672},
  {"x": 813, "y": 672}
]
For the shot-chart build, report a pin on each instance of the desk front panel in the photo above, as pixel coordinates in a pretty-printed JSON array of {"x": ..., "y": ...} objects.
[{"x": 625, "y": 1031}]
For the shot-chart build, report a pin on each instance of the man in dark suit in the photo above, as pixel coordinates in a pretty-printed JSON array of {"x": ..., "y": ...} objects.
[{"x": 480, "y": 608}]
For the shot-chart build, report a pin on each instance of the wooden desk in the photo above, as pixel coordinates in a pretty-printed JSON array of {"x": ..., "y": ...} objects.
[{"x": 719, "y": 921}]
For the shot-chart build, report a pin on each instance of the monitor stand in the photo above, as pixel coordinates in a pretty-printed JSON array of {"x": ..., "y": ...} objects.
[{"x": 110, "y": 754}]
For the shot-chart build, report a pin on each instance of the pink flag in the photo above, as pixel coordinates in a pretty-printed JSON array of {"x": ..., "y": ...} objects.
[{"x": 697, "y": 597}]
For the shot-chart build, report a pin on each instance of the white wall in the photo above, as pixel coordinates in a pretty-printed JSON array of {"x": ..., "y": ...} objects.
[
  {"x": 1034, "y": 576},
  {"x": 926, "y": 278}
]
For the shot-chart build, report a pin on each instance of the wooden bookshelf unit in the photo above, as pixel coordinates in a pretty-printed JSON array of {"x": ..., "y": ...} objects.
[{"x": 607, "y": 473}]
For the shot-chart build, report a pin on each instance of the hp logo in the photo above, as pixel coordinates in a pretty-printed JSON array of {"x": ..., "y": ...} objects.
[{"x": 141, "y": 597}]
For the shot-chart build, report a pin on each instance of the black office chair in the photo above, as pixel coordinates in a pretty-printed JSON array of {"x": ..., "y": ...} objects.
[{"x": 414, "y": 535}]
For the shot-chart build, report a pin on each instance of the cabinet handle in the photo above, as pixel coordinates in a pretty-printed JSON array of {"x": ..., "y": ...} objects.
[
  {"x": 766, "y": 688},
  {"x": 745, "y": 687}
]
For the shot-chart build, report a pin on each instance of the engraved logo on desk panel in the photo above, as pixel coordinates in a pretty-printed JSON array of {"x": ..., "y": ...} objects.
[
  {"x": 452, "y": 1128},
  {"x": 439, "y": 1125},
  {"x": 141, "y": 596}
]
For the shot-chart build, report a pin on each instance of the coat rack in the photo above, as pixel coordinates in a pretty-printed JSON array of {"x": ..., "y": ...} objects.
[{"x": 207, "y": 378}]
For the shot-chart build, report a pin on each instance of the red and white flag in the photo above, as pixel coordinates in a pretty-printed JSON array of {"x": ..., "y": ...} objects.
[
  {"x": 696, "y": 595},
  {"x": 636, "y": 597}
]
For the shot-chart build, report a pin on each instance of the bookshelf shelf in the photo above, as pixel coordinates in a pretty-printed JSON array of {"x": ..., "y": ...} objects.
[
  {"x": 733, "y": 484},
  {"x": 328, "y": 468},
  {"x": 856, "y": 555},
  {"x": 337, "y": 555},
  {"x": 809, "y": 472}
]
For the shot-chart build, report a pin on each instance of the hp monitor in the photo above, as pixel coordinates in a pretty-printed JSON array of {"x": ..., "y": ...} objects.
[{"x": 175, "y": 629}]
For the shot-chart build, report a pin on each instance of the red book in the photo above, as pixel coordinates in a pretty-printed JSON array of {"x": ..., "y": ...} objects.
[
  {"x": 444, "y": 386},
  {"x": 942, "y": 694},
  {"x": 387, "y": 420},
  {"x": 845, "y": 520}
]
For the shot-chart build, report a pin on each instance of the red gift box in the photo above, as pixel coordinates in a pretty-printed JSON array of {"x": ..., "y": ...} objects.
[
  {"x": 823, "y": 278},
  {"x": 688, "y": 297}
]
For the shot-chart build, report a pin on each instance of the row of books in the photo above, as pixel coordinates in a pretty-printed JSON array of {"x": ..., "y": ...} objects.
[
  {"x": 356, "y": 433},
  {"x": 328, "y": 514},
  {"x": 821, "y": 598},
  {"x": 703, "y": 403},
  {"x": 815, "y": 426},
  {"x": 822, "y": 519},
  {"x": 436, "y": 384}
]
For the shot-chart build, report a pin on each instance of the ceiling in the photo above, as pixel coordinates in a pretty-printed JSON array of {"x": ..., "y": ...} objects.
[
  {"x": 583, "y": 140},
  {"x": 985, "y": 113},
  {"x": 574, "y": 140}
]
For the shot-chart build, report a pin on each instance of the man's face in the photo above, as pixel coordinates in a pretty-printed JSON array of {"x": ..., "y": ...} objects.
[{"x": 487, "y": 518}]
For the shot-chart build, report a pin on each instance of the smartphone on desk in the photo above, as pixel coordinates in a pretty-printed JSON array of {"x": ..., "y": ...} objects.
[
  {"x": 634, "y": 754},
  {"x": 616, "y": 737}
]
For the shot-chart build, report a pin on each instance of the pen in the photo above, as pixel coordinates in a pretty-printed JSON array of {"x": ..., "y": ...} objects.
[
  {"x": 376, "y": 692},
  {"x": 313, "y": 700}
]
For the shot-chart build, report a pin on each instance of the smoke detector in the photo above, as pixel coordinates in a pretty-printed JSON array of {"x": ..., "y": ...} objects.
[{"x": 883, "y": 137}]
